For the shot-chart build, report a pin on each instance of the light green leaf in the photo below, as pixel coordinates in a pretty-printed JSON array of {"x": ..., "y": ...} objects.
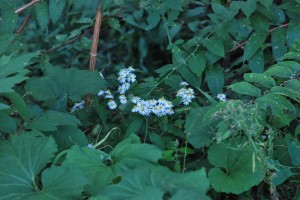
[
  {"x": 215, "y": 79},
  {"x": 293, "y": 84},
  {"x": 266, "y": 3},
  {"x": 286, "y": 92},
  {"x": 214, "y": 45},
  {"x": 65, "y": 83},
  {"x": 246, "y": 88},
  {"x": 5, "y": 41},
  {"x": 294, "y": 151},
  {"x": 199, "y": 135},
  {"x": 279, "y": 71},
  {"x": 9, "y": 21},
  {"x": 51, "y": 119},
  {"x": 254, "y": 43},
  {"x": 292, "y": 65},
  {"x": 261, "y": 79},
  {"x": 41, "y": 10},
  {"x": 197, "y": 64},
  {"x": 22, "y": 158},
  {"x": 56, "y": 7},
  {"x": 234, "y": 165}
]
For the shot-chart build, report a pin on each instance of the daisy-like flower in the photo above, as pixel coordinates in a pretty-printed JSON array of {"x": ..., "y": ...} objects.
[
  {"x": 100, "y": 93},
  {"x": 144, "y": 110},
  {"x": 222, "y": 97},
  {"x": 109, "y": 96},
  {"x": 152, "y": 102},
  {"x": 131, "y": 78},
  {"x": 187, "y": 94},
  {"x": 77, "y": 106},
  {"x": 130, "y": 69},
  {"x": 135, "y": 99},
  {"x": 112, "y": 104},
  {"x": 169, "y": 111},
  {"x": 123, "y": 99},
  {"x": 122, "y": 78},
  {"x": 183, "y": 83}
]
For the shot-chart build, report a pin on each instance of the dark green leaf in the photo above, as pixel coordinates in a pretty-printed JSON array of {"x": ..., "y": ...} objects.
[
  {"x": 254, "y": 43},
  {"x": 18, "y": 104},
  {"x": 215, "y": 79},
  {"x": 294, "y": 151},
  {"x": 257, "y": 62},
  {"x": 189, "y": 76},
  {"x": 293, "y": 32},
  {"x": 278, "y": 39},
  {"x": 41, "y": 10},
  {"x": 197, "y": 64},
  {"x": 261, "y": 79},
  {"x": 214, "y": 45},
  {"x": 279, "y": 71},
  {"x": 9, "y": 21},
  {"x": 56, "y": 7},
  {"x": 8, "y": 124},
  {"x": 286, "y": 92}
]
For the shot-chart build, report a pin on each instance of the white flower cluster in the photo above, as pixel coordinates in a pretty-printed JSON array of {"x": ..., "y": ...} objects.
[
  {"x": 125, "y": 78},
  {"x": 186, "y": 94},
  {"x": 222, "y": 97},
  {"x": 111, "y": 103},
  {"x": 159, "y": 107}
]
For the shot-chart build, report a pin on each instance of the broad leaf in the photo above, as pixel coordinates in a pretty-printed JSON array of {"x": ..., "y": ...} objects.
[
  {"x": 234, "y": 165},
  {"x": 254, "y": 43},
  {"x": 8, "y": 124},
  {"x": 246, "y": 88},
  {"x": 214, "y": 45},
  {"x": 51, "y": 119},
  {"x": 261, "y": 79},
  {"x": 22, "y": 158},
  {"x": 56, "y": 7},
  {"x": 294, "y": 151},
  {"x": 286, "y": 92},
  {"x": 293, "y": 32},
  {"x": 197, "y": 64},
  {"x": 215, "y": 79},
  {"x": 257, "y": 62},
  {"x": 279, "y": 71},
  {"x": 278, "y": 39},
  {"x": 64, "y": 83},
  {"x": 41, "y": 10},
  {"x": 18, "y": 104}
]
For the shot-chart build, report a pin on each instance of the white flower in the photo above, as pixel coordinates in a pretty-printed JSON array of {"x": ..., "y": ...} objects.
[
  {"x": 77, "y": 106},
  {"x": 130, "y": 69},
  {"x": 186, "y": 101},
  {"x": 100, "y": 93},
  {"x": 123, "y": 99},
  {"x": 131, "y": 78},
  {"x": 183, "y": 83},
  {"x": 135, "y": 99},
  {"x": 222, "y": 97},
  {"x": 109, "y": 96},
  {"x": 162, "y": 100},
  {"x": 168, "y": 104},
  {"x": 112, "y": 104},
  {"x": 152, "y": 102},
  {"x": 144, "y": 110},
  {"x": 169, "y": 111},
  {"x": 122, "y": 78},
  {"x": 90, "y": 146}
]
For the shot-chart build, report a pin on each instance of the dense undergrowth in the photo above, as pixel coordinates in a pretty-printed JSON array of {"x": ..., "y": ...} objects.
[{"x": 188, "y": 99}]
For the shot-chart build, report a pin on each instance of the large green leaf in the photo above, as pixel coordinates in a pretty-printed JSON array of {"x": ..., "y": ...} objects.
[
  {"x": 12, "y": 70},
  {"x": 22, "y": 157},
  {"x": 51, "y": 119},
  {"x": 234, "y": 165},
  {"x": 197, "y": 64},
  {"x": 278, "y": 39},
  {"x": 279, "y": 71},
  {"x": 254, "y": 43},
  {"x": 293, "y": 32},
  {"x": 246, "y": 88},
  {"x": 214, "y": 45},
  {"x": 89, "y": 160},
  {"x": 261, "y": 79},
  {"x": 56, "y": 7},
  {"x": 153, "y": 182},
  {"x": 62, "y": 83},
  {"x": 286, "y": 92},
  {"x": 199, "y": 135},
  {"x": 5, "y": 41},
  {"x": 18, "y": 104},
  {"x": 9, "y": 21},
  {"x": 257, "y": 61},
  {"x": 8, "y": 124},
  {"x": 189, "y": 76}
]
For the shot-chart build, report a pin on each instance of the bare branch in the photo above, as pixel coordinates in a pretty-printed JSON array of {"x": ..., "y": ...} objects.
[{"x": 26, "y": 6}]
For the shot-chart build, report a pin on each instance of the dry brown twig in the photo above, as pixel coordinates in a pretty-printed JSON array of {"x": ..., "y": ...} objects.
[
  {"x": 23, "y": 24},
  {"x": 26, "y": 6},
  {"x": 95, "y": 39}
]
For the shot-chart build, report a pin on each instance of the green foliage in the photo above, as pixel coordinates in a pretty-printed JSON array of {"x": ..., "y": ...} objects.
[{"x": 230, "y": 131}]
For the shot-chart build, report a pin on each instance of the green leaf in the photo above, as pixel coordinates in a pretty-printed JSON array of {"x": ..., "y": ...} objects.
[
  {"x": 292, "y": 65},
  {"x": 51, "y": 119},
  {"x": 133, "y": 127},
  {"x": 286, "y": 92},
  {"x": 294, "y": 151},
  {"x": 189, "y": 76},
  {"x": 197, "y": 64},
  {"x": 5, "y": 41},
  {"x": 293, "y": 85},
  {"x": 259, "y": 22},
  {"x": 8, "y": 124},
  {"x": 279, "y": 71},
  {"x": 173, "y": 81},
  {"x": 199, "y": 135},
  {"x": 13, "y": 71},
  {"x": 261, "y": 79},
  {"x": 257, "y": 62},
  {"x": 254, "y": 43},
  {"x": 41, "y": 10},
  {"x": 62, "y": 83},
  {"x": 22, "y": 158},
  {"x": 266, "y": 3},
  {"x": 214, "y": 45},
  {"x": 248, "y": 7},
  {"x": 172, "y": 4},
  {"x": 67, "y": 136},
  {"x": 9, "y": 21},
  {"x": 293, "y": 32},
  {"x": 56, "y": 7},
  {"x": 234, "y": 165},
  {"x": 215, "y": 79},
  {"x": 152, "y": 19},
  {"x": 18, "y": 104},
  {"x": 278, "y": 39},
  {"x": 246, "y": 88},
  {"x": 282, "y": 173},
  {"x": 90, "y": 161}
]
